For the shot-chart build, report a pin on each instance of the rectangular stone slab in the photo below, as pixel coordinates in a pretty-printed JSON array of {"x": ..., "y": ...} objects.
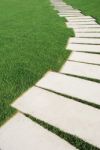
[
  {"x": 20, "y": 133},
  {"x": 84, "y": 40},
  {"x": 82, "y": 23},
  {"x": 83, "y": 26},
  {"x": 90, "y": 35},
  {"x": 84, "y": 47},
  {"x": 62, "y": 8},
  {"x": 80, "y": 20},
  {"x": 85, "y": 57},
  {"x": 72, "y": 86},
  {"x": 87, "y": 30},
  {"x": 77, "y": 18},
  {"x": 70, "y": 15},
  {"x": 68, "y": 115},
  {"x": 71, "y": 11},
  {"x": 81, "y": 69}
]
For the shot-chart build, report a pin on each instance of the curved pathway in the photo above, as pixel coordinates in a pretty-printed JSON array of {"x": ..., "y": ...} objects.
[{"x": 68, "y": 99}]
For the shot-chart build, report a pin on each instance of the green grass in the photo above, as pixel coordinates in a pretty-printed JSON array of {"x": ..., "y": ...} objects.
[
  {"x": 32, "y": 41},
  {"x": 88, "y": 7}
]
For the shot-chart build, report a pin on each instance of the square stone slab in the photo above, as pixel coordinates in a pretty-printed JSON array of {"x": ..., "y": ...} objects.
[
  {"x": 20, "y": 133},
  {"x": 84, "y": 47},
  {"x": 72, "y": 86},
  {"x": 85, "y": 57},
  {"x": 81, "y": 69},
  {"x": 68, "y": 115}
]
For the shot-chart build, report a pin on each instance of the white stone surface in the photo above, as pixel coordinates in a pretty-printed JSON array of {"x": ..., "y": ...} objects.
[
  {"x": 68, "y": 115},
  {"x": 82, "y": 23},
  {"x": 82, "y": 26},
  {"x": 87, "y": 30},
  {"x": 20, "y": 133},
  {"x": 72, "y": 11},
  {"x": 79, "y": 18},
  {"x": 81, "y": 69},
  {"x": 84, "y": 47},
  {"x": 84, "y": 40},
  {"x": 70, "y": 15},
  {"x": 75, "y": 87},
  {"x": 85, "y": 57},
  {"x": 90, "y": 35}
]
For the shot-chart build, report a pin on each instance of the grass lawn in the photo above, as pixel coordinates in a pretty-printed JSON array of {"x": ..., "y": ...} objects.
[
  {"x": 88, "y": 7},
  {"x": 32, "y": 41}
]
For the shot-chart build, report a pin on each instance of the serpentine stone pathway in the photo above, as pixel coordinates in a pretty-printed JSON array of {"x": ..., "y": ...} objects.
[{"x": 68, "y": 99}]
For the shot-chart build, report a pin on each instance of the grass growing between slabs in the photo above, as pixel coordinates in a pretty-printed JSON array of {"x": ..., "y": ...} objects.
[
  {"x": 32, "y": 41},
  {"x": 88, "y": 7},
  {"x": 74, "y": 140}
]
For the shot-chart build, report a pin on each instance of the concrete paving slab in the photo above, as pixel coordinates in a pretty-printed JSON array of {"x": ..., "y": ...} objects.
[
  {"x": 20, "y": 133},
  {"x": 68, "y": 115},
  {"x": 78, "y": 18},
  {"x": 83, "y": 26},
  {"x": 84, "y": 40},
  {"x": 69, "y": 15},
  {"x": 72, "y": 86},
  {"x": 84, "y": 47},
  {"x": 72, "y": 11},
  {"x": 82, "y": 23},
  {"x": 85, "y": 57},
  {"x": 90, "y": 35},
  {"x": 87, "y": 30},
  {"x": 81, "y": 69}
]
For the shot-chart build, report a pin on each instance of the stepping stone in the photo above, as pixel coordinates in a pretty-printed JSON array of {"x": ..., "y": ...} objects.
[
  {"x": 84, "y": 47},
  {"x": 71, "y": 20},
  {"x": 72, "y": 86},
  {"x": 78, "y": 18},
  {"x": 85, "y": 57},
  {"x": 70, "y": 116},
  {"x": 81, "y": 69},
  {"x": 90, "y": 35},
  {"x": 66, "y": 11},
  {"x": 63, "y": 7},
  {"x": 82, "y": 23},
  {"x": 84, "y": 40},
  {"x": 71, "y": 11},
  {"x": 83, "y": 26},
  {"x": 20, "y": 133},
  {"x": 87, "y": 30},
  {"x": 69, "y": 15}
]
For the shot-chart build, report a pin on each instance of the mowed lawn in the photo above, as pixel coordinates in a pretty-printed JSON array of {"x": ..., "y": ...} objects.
[
  {"x": 88, "y": 7},
  {"x": 32, "y": 41}
]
